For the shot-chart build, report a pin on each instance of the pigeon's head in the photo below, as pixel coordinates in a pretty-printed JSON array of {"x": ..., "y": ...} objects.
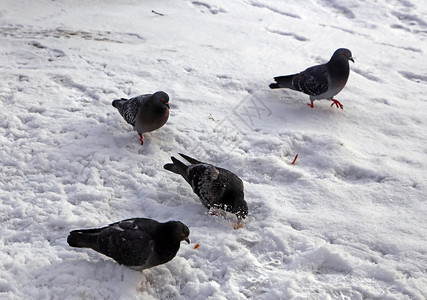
[
  {"x": 234, "y": 201},
  {"x": 162, "y": 97},
  {"x": 240, "y": 209},
  {"x": 176, "y": 230},
  {"x": 343, "y": 53}
]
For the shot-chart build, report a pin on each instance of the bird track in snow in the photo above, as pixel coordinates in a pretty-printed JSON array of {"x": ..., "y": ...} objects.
[{"x": 20, "y": 31}]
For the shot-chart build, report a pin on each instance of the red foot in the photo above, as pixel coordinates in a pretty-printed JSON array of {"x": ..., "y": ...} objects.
[
  {"x": 141, "y": 138},
  {"x": 212, "y": 213},
  {"x": 337, "y": 103},
  {"x": 311, "y": 104}
]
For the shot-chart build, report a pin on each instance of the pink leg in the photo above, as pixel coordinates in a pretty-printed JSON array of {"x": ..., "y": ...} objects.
[
  {"x": 336, "y": 102},
  {"x": 141, "y": 138},
  {"x": 311, "y": 104}
]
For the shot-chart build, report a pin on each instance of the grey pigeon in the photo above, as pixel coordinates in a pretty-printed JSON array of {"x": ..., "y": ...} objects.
[
  {"x": 322, "y": 81},
  {"x": 145, "y": 113},
  {"x": 138, "y": 243},
  {"x": 216, "y": 187}
]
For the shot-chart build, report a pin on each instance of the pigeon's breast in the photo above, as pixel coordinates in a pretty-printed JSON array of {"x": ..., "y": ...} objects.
[
  {"x": 147, "y": 122},
  {"x": 335, "y": 86}
]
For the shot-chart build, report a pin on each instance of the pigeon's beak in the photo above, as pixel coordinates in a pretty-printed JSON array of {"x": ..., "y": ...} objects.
[
  {"x": 187, "y": 240},
  {"x": 167, "y": 103},
  {"x": 351, "y": 58}
]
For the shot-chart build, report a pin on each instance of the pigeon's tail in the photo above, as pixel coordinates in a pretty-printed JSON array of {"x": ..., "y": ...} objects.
[
  {"x": 283, "y": 82},
  {"x": 190, "y": 159},
  {"x": 118, "y": 103},
  {"x": 177, "y": 167},
  {"x": 84, "y": 239}
]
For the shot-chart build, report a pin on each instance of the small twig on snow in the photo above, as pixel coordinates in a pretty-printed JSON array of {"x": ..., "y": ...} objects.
[
  {"x": 157, "y": 13},
  {"x": 295, "y": 159}
]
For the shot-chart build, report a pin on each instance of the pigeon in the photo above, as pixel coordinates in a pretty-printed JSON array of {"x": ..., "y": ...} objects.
[
  {"x": 216, "y": 187},
  {"x": 137, "y": 243},
  {"x": 145, "y": 112},
  {"x": 321, "y": 81}
]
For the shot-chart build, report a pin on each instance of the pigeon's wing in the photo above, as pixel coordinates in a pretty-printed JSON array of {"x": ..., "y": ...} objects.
[
  {"x": 132, "y": 106},
  {"x": 203, "y": 179},
  {"x": 131, "y": 248},
  {"x": 313, "y": 81},
  {"x": 127, "y": 242}
]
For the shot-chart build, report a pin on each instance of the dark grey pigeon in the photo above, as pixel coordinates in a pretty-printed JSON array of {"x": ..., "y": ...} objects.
[
  {"x": 322, "y": 81},
  {"x": 216, "y": 187},
  {"x": 138, "y": 243},
  {"x": 145, "y": 113}
]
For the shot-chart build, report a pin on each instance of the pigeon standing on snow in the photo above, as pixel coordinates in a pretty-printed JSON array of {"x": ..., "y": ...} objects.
[
  {"x": 216, "y": 187},
  {"x": 138, "y": 243},
  {"x": 322, "y": 81},
  {"x": 145, "y": 113}
]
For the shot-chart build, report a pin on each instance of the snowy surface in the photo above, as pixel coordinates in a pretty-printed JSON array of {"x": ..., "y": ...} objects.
[{"x": 347, "y": 221}]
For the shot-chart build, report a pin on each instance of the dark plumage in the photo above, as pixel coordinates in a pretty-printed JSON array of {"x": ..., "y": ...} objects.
[
  {"x": 322, "y": 81},
  {"x": 145, "y": 113},
  {"x": 216, "y": 187},
  {"x": 138, "y": 243}
]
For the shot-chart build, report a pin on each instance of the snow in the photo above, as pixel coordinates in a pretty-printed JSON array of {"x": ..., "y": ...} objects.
[{"x": 346, "y": 221}]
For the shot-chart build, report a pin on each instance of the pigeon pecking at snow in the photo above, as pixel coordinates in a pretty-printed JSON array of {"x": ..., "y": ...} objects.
[
  {"x": 138, "y": 243},
  {"x": 322, "y": 81},
  {"x": 216, "y": 187},
  {"x": 145, "y": 113}
]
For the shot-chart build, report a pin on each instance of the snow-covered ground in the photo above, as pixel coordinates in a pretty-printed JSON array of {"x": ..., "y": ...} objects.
[{"x": 346, "y": 221}]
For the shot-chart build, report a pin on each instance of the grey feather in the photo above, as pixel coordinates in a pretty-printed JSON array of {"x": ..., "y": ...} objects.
[
  {"x": 146, "y": 112},
  {"x": 138, "y": 243},
  {"x": 216, "y": 187},
  {"x": 321, "y": 81}
]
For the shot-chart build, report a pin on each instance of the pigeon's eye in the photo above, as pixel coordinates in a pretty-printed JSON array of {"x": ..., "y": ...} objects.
[{"x": 182, "y": 234}]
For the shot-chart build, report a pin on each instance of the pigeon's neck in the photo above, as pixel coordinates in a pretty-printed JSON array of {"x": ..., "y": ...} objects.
[
  {"x": 166, "y": 246},
  {"x": 338, "y": 68},
  {"x": 153, "y": 109},
  {"x": 240, "y": 204},
  {"x": 232, "y": 199}
]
